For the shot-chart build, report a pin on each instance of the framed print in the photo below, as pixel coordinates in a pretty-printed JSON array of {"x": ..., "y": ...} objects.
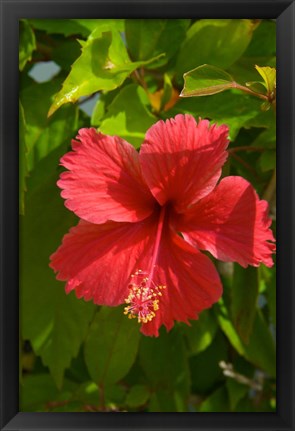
[{"x": 147, "y": 234}]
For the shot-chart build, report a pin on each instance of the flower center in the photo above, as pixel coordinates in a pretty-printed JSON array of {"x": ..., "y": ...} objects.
[
  {"x": 143, "y": 295},
  {"x": 142, "y": 298}
]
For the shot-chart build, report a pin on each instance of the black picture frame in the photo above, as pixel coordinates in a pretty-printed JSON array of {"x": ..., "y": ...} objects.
[{"x": 281, "y": 10}]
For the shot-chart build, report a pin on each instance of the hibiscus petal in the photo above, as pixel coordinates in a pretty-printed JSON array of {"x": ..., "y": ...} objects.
[
  {"x": 232, "y": 223},
  {"x": 98, "y": 260},
  {"x": 192, "y": 283},
  {"x": 181, "y": 160},
  {"x": 104, "y": 180}
]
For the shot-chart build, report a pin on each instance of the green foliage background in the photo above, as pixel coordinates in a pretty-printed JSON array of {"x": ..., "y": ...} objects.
[{"x": 75, "y": 356}]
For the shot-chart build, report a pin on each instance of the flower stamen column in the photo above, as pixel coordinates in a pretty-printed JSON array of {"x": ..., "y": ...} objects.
[{"x": 143, "y": 294}]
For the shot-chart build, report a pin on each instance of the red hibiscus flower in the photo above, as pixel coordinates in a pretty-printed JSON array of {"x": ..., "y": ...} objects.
[{"x": 145, "y": 217}]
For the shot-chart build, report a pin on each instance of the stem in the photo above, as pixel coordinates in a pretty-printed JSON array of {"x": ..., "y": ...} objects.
[
  {"x": 247, "y": 90},
  {"x": 102, "y": 398},
  {"x": 245, "y": 148},
  {"x": 246, "y": 165},
  {"x": 140, "y": 80}
]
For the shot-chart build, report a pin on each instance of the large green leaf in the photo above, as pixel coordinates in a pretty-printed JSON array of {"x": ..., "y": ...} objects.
[
  {"x": 111, "y": 346},
  {"x": 27, "y": 43},
  {"x": 127, "y": 116},
  {"x": 244, "y": 296},
  {"x": 55, "y": 323},
  {"x": 22, "y": 159},
  {"x": 147, "y": 38},
  {"x": 103, "y": 65},
  {"x": 165, "y": 365},
  {"x": 44, "y": 135},
  {"x": 219, "y": 42},
  {"x": 206, "y": 80},
  {"x": 260, "y": 349}
]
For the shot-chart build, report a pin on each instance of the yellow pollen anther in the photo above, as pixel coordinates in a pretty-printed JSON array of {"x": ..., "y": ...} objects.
[{"x": 141, "y": 298}]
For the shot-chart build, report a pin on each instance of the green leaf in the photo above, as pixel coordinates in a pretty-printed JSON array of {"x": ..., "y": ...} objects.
[
  {"x": 137, "y": 396},
  {"x": 55, "y": 323},
  {"x": 260, "y": 350},
  {"x": 244, "y": 69},
  {"x": 206, "y": 373},
  {"x": 165, "y": 365},
  {"x": 201, "y": 332},
  {"x": 127, "y": 116},
  {"x": 27, "y": 43},
  {"x": 205, "y": 80},
  {"x": 263, "y": 40},
  {"x": 167, "y": 401},
  {"x": 219, "y": 42},
  {"x": 268, "y": 281},
  {"x": 23, "y": 170},
  {"x": 40, "y": 389},
  {"x": 44, "y": 135},
  {"x": 103, "y": 65},
  {"x": 148, "y": 38},
  {"x": 236, "y": 390},
  {"x": 217, "y": 402},
  {"x": 234, "y": 110},
  {"x": 111, "y": 346},
  {"x": 69, "y": 27},
  {"x": 244, "y": 296},
  {"x": 267, "y": 160}
]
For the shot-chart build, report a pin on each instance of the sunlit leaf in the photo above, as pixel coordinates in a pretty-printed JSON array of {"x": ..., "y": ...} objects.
[
  {"x": 27, "y": 43},
  {"x": 103, "y": 65},
  {"x": 269, "y": 77},
  {"x": 111, "y": 346}
]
